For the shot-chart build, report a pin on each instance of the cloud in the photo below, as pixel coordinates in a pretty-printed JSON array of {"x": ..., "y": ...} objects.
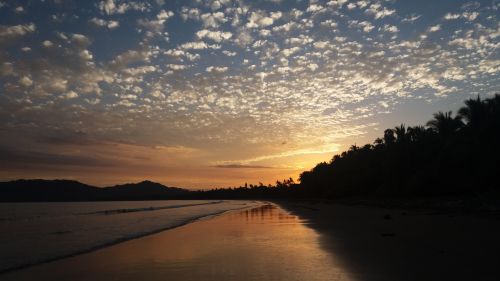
[
  {"x": 47, "y": 44},
  {"x": 16, "y": 30},
  {"x": 26, "y": 81},
  {"x": 156, "y": 26},
  {"x": 177, "y": 66},
  {"x": 435, "y": 28},
  {"x": 164, "y": 15},
  {"x": 390, "y": 28},
  {"x": 260, "y": 19},
  {"x": 216, "y": 36},
  {"x": 29, "y": 159},
  {"x": 450, "y": 16},
  {"x": 314, "y": 8},
  {"x": 110, "y": 7},
  {"x": 213, "y": 20},
  {"x": 111, "y": 24},
  {"x": 219, "y": 69},
  {"x": 470, "y": 15},
  {"x": 314, "y": 74},
  {"x": 70, "y": 95},
  {"x": 336, "y": 3},
  {"x": 190, "y": 13},
  {"x": 239, "y": 166},
  {"x": 412, "y": 18},
  {"x": 378, "y": 11}
]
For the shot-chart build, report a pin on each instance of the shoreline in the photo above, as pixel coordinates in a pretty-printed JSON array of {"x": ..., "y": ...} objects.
[
  {"x": 119, "y": 241},
  {"x": 365, "y": 242},
  {"x": 406, "y": 244},
  {"x": 256, "y": 243}
]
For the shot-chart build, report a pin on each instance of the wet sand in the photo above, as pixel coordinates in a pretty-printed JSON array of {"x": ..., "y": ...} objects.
[
  {"x": 298, "y": 241},
  {"x": 406, "y": 245},
  {"x": 265, "y": 243}
]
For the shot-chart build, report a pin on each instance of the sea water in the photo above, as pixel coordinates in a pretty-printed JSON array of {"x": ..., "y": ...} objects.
[{"x": 32, "y": 233}]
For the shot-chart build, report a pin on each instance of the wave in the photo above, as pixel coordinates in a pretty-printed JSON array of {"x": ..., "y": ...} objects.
[
  {"x": 67, "y": 236},
  {"x": 146, "y": 209}
]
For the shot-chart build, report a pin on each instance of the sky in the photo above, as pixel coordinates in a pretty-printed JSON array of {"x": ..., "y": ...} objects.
[{"x": 216, "y": 93}]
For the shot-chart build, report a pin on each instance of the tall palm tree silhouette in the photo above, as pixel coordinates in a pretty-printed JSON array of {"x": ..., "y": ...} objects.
[
  {"x": 474, "y": 112},
  {"x": 400, "y": 132},
  {"x": 444, "y": 124},
  {"x": 417, "y": 133},
  {"x": 389, "y": 137}
]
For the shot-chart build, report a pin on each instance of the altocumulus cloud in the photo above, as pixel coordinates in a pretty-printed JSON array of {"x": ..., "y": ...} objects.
[{"x": 232, "y": 79}]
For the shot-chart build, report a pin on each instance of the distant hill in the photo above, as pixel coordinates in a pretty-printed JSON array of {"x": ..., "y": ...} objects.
[
  {"x": 69, "y": 190},
  {"x": 143, "y": 190}
]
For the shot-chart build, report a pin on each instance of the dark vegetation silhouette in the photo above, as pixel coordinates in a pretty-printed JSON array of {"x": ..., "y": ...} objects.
[{"x": 449, "y": 156}]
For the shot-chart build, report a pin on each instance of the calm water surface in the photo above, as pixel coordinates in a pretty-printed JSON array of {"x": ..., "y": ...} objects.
[
  {"x": 263, "y": 243},
  {"x": 31, "y": 233}
]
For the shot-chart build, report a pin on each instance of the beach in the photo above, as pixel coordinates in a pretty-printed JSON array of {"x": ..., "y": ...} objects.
[
  {"x": 262, "y": 243},
  {"x": 377, "y": 243},
  {"x": 297, "y": 241}
]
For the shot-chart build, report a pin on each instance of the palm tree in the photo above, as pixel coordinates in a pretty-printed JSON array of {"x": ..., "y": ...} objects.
[
  {"x": 493, "y": 105},
  {"x": 416, "y": 134},
  {"x": 378, "y": 142},
  {"x": 444, "y": 124},
  {"x": 400, "y": 132},
  {"x": 389, "y": 137},
  {"x": 474, "y": 112}
]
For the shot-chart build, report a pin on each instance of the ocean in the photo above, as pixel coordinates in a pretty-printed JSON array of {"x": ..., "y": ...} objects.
[{"x": 33, "y": 233}]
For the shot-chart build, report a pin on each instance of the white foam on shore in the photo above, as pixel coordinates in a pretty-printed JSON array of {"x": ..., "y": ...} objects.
[{"x": 33, "y": 233}]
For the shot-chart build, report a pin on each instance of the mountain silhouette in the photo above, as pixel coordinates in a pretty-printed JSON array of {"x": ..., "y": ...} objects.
[{"x": 69, "y": 190}]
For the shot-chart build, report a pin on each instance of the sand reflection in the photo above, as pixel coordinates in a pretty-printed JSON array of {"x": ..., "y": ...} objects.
[{"x": 264, "y": 243}]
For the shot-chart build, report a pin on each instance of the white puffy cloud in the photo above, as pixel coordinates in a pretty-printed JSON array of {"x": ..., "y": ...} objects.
[
  {"x": 213, "y": 20},
  {"x": 336, "y": 3},
  {"x": 110, "y": 24},
  {"x": 47, "y": 44},
  {"x": 25, "y": 81},
  {"x": 391, "y": 28},
  {"x": 111, "y": 7},
  {"x": 435, "y": 28},
  {"x": 411, "y": 18},
  {"x": 219, "y": 69},
  {"x": 259, "y": 19},
  {"x": 70, "y": 95},
  {"x": 190, "y": 13},
  {"x": 164, "y": 14},
  {"x": 321, "y": 44},
  {"x": 450, "y": 16},
  {"x": 199, "y": 45},
  {"x": 315, "y": 8},
  {"x": 229, "y": 53},
  {"x": 216, "y": 36},
  {"x": 177, "y": 66},
  {"x": 470, "y": 15},
  {"x": 16, "y": 30},
  {"x": 378, "y": 11},
  {"x": 156, "y": 26}
]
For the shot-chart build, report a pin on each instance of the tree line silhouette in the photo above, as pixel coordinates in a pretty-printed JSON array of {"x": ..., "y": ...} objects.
[{"x": 450, "y": 155}]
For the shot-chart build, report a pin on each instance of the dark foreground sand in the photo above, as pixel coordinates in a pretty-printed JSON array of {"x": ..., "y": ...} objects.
[
  {"x": 300, "y": 241},
  {"x": 390, "y": 244}
]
